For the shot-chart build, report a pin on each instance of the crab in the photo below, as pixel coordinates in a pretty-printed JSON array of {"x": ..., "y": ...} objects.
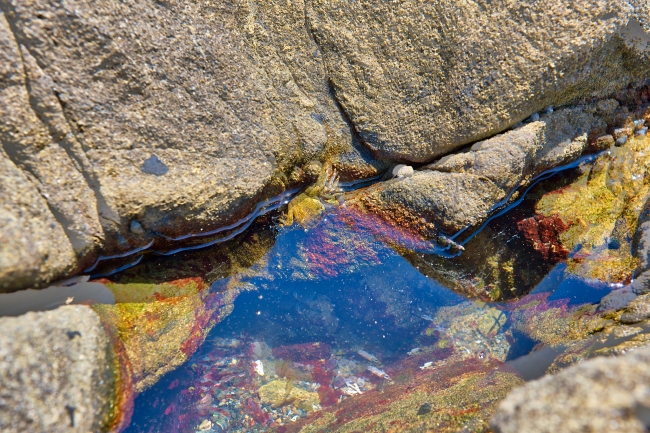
[{"x": 310, "y": 204}]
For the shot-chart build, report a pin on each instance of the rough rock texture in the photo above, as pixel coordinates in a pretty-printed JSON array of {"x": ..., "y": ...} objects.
[
  {"x": 460, "y": 190},
  {"x": 175, "y": 115},
  {"x": 133, "y": 120},
  {"x": 505, "y": 159},
  {"x": 34, "y": 249},
  {"x": 56, "y": 372},
  {"x": 637, "y": 310},
  {"x": 420, "y": 79},
  {"x": 599, "y": 395}
]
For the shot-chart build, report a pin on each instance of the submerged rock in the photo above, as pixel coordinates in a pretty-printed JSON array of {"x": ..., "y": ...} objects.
[
  {"x": 460, "y": 396},
  {"x": 58, "y": 373},
  {"x": 603, "y": 394},
  {"x": 279, "y": 392}
]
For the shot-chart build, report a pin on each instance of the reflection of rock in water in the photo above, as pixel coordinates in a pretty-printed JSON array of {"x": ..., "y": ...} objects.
[
  {"x": 495, "y": 266},
  {"x": 471, "y": 330}
]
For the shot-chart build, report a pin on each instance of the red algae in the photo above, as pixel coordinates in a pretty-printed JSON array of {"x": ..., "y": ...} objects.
[
  {"x": 321, "y": 375},
  {"x": 328, "y": 396},
  {"x": 542, "y": 233}
]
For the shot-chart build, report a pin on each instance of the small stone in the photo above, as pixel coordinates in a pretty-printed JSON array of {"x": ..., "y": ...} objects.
[
  {"x": 637, "y": 311},
  {"x": 424, "y": 409},
  {"x": 153, "y": 165},
  {"x": 402, "y": 170},
  {"x": 604, "y": 142},
  {"x": 136, "y": 228},
  {"x": 621, "y": 132}
]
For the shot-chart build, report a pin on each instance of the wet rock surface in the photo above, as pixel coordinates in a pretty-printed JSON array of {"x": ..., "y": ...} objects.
[
  {"x": 57, "y": 373},
  {"x": 599, "y": 395}
]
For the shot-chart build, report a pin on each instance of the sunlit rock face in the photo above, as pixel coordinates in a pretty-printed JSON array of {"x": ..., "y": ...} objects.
[
  {"x": 58, "y": 373},
  {"x": 589, "y": 396},
  {"x": 418, "y": 80},
  {"x": 164, "y": 118}
]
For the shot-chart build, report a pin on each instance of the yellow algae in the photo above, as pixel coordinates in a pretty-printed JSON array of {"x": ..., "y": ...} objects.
[
  {"x": 308, "y": 206},
  {"x": 601, "y": 209},
  {"x": 279, "y": 392},
  {"x": 142, "y": 292},
  {"x": 160, "y": 325},
  {"x": 303, "y": 209}
]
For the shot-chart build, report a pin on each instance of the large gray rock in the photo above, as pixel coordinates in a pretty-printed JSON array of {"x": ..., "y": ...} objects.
[
  {"x": 419, "y": 79},
  {"x": 599, "y": 395},
  {"x": 169, "y": 117},
  {"x": 178, "y": 115},
  {"x": 56, "y": 372},
  {"x": 462, "y": 189}
]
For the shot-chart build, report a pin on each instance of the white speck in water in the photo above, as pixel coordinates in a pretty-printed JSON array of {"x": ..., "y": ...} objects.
[{"x": 258, "y": 313}]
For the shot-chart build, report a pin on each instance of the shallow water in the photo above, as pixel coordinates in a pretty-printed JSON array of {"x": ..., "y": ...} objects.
[
  {"x": 307, "y": 306},
  {"x": 348, "y": 325}
]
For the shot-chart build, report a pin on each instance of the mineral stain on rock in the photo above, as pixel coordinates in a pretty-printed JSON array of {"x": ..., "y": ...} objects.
[{"x": 153, "y": 165}]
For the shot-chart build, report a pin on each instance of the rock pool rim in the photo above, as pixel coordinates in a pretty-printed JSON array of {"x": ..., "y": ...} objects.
[
  {"x": 274, "y": 203},
  {"x": 241, "y": 225}
]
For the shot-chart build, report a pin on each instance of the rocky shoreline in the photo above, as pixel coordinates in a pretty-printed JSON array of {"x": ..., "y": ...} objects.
[
  {"x": 123, "y": 125},
  {"x": 183, "y": 130}
]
